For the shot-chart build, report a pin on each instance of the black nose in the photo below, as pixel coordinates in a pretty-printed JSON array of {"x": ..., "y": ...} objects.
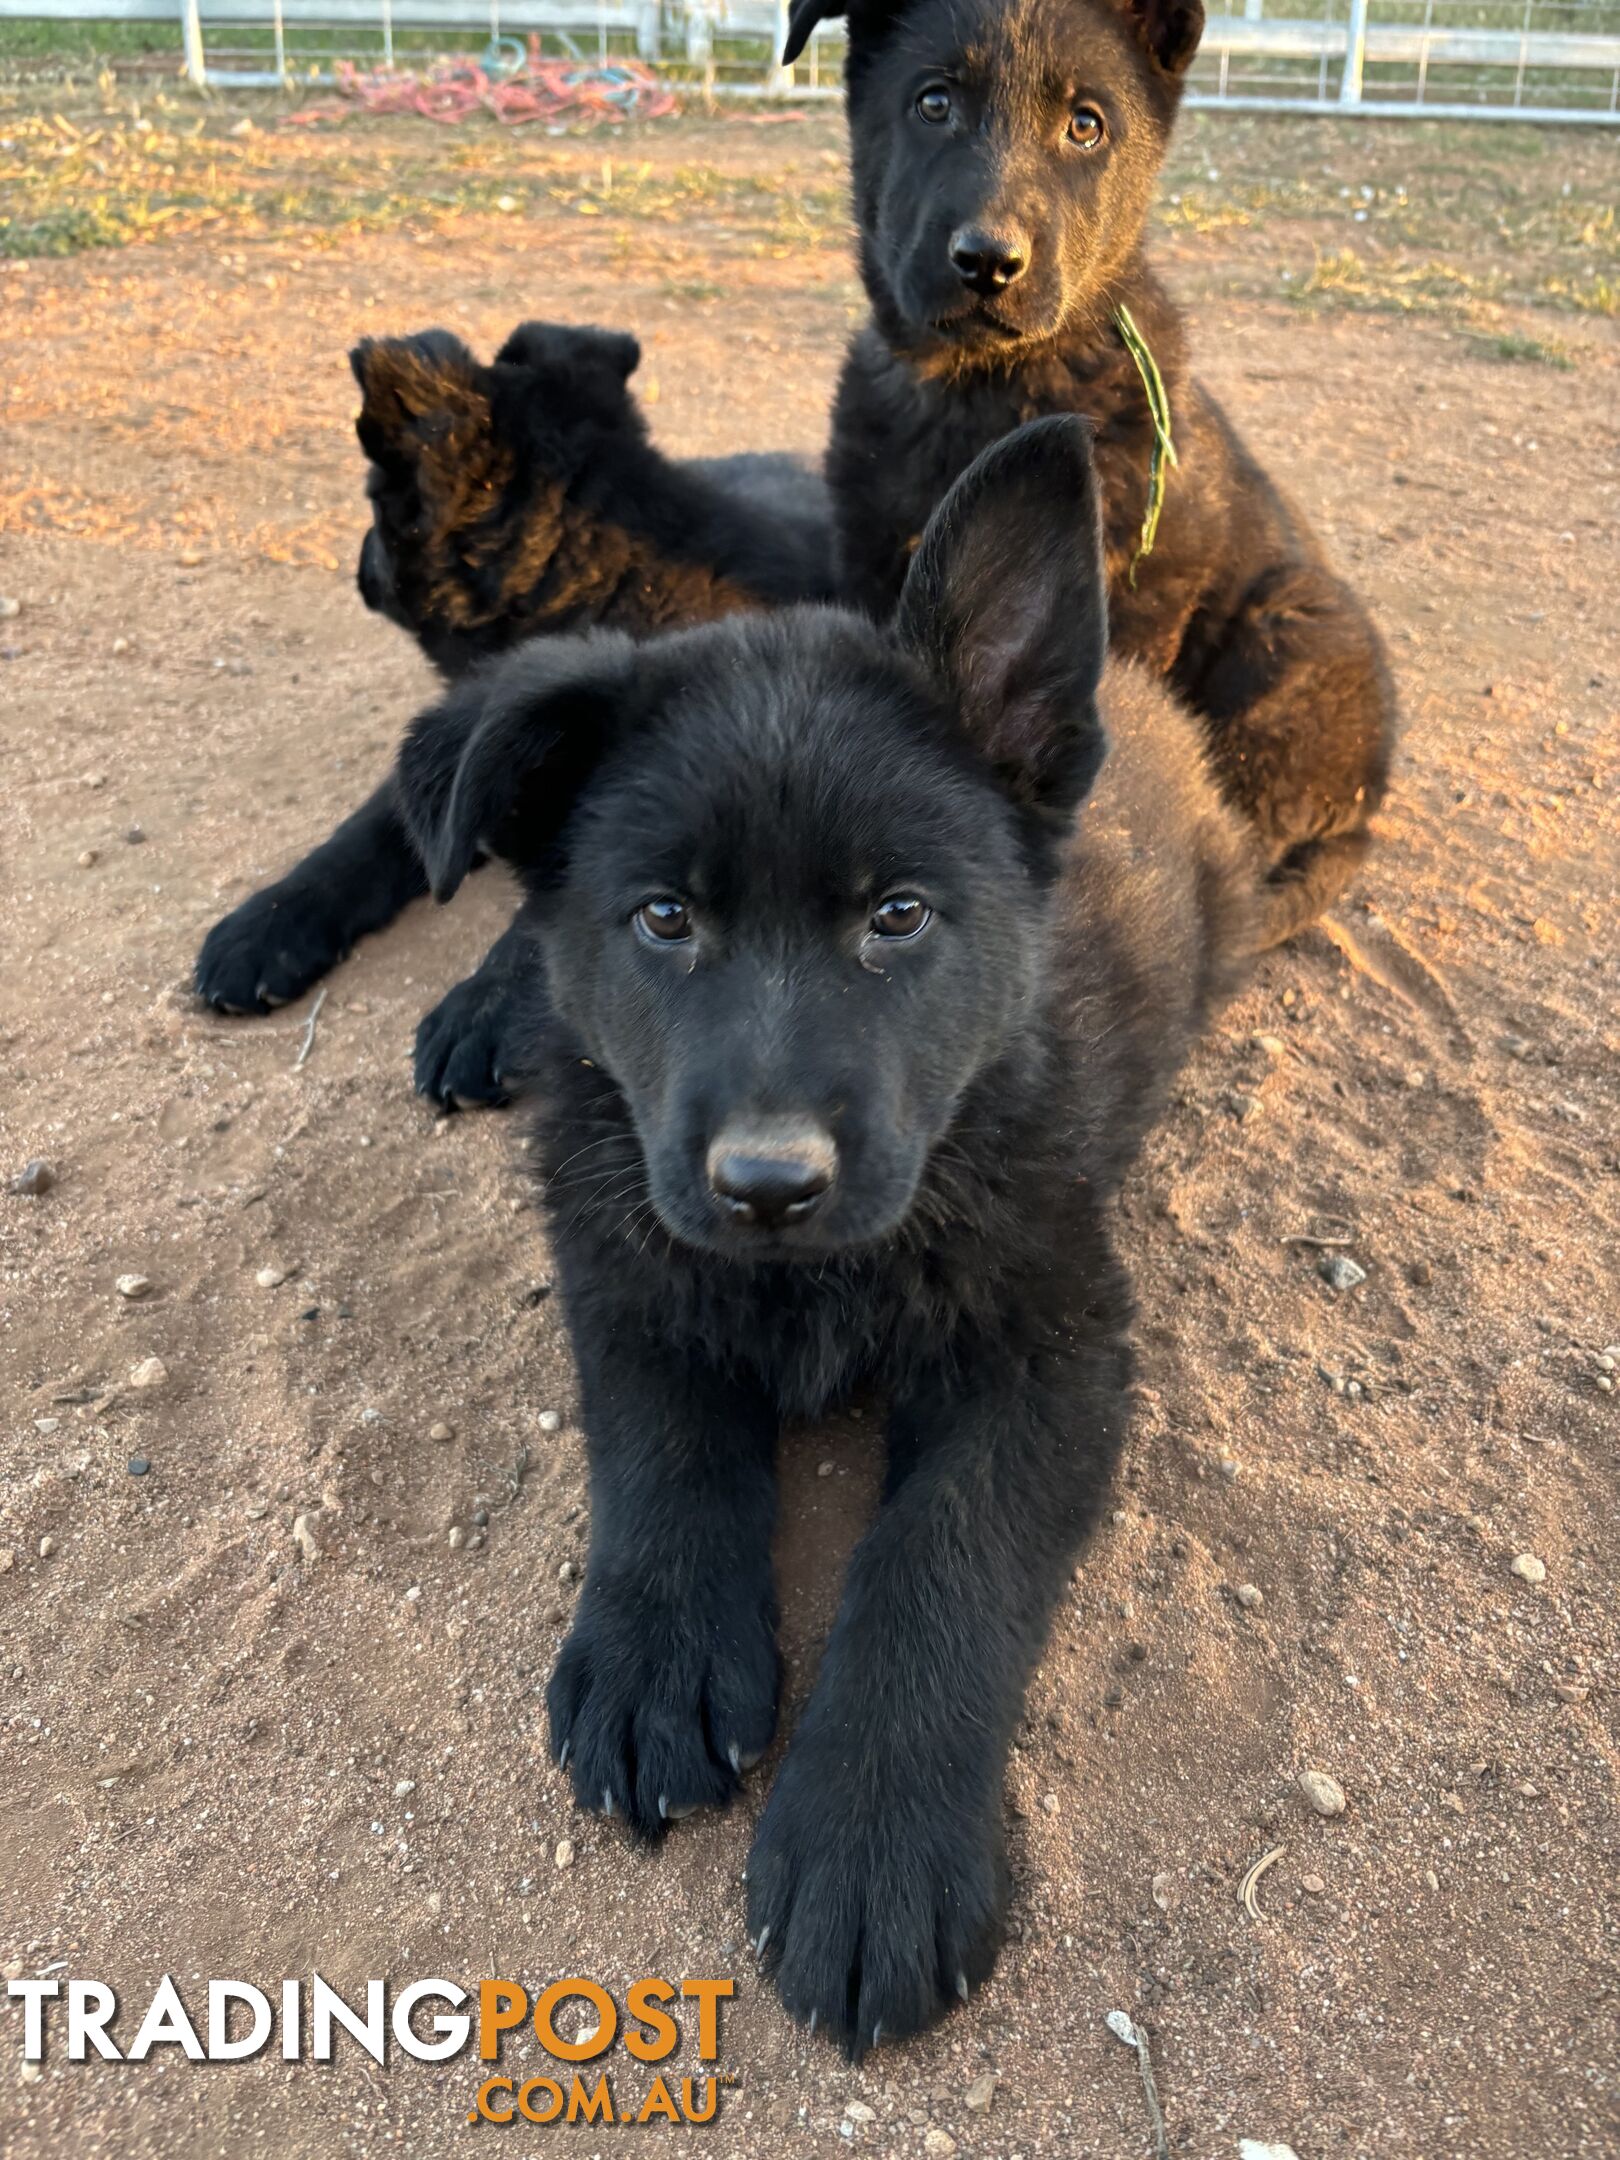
[
  {"x": 375, "y": 577},
  {"x": 988, "y": 262},
  {"x": 770, "y": 1172}
]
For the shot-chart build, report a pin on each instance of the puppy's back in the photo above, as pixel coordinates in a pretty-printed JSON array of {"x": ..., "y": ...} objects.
[{"x": 1158, "y": 914}]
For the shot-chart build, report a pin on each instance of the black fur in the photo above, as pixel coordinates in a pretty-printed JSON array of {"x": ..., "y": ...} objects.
[
  {"x": 969, "y": 1097},
  {"x": 509, "y": 499}
]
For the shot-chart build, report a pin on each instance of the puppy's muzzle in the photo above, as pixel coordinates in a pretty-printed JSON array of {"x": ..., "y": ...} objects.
[{"x": 768, "y": 1173}]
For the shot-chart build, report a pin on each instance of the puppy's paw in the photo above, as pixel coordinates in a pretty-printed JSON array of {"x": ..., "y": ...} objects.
[
  {"x": 268, "y": 951},
  {"x": 875, "y": 1903},
  {"x": 657, "y": 1709},
  {"x": 465, "y": 1046}
]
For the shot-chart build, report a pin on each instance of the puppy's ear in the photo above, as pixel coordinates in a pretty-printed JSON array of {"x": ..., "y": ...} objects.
[
  {"x": 803, "y": 17},
  {"x": 1170, "y": 29},
  {"x": 495, "y": 767},
  {"x": 546, "y": 345},
  {"x": 414, "y": 392},
  {"x": 1005, "y": 602}
]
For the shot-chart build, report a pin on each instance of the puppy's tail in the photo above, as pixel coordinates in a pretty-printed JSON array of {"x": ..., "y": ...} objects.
[{"x": 1306, "y": 882}]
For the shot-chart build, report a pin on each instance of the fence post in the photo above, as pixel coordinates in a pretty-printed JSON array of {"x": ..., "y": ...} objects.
[
  {"x": 1355, "y": 54},
  {"x": 778, "y": 79},
  {"x": 191, "y": 32}
]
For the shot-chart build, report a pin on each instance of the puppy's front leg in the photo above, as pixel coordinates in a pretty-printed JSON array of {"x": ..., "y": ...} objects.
[
  {"x": 877, "y": 1882},
  {"x": 666, "y": 1689},
  {"x": 275, "y": 945},
  {"x": 468, "y": 1046}
]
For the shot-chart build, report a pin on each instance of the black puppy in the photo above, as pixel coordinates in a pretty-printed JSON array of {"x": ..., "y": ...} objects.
[
  {"x": 511, "y": 499},
  {"x": 860, "y": 961},
  {"x": 1005, "y": 155}
]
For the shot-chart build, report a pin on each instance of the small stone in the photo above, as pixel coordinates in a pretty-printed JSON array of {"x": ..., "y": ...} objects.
[
  {"x": 1325, "y": 1794},
  {"x": 857, "y": 2111},
  {"x": 404, "y": 1786},
  {"x": 1339, "y": 1271},
  {"x": 440, "y": 1431},
  {"x": 1050, "y": 1803},
  {"x": 303, "y": 1536},
  {"x": 120, "y": 646},
  {"x": 1230, "y": 1469},
  {"x": 825, "y": 1469},
  {"x": 1272, "y": 1045},
  {"x": 1431, "y": 1880},
  {"x": 30, "y": 2073},
  {"x": 458, "y": 1537},
  {"x": 47, "y": 1545},
  {"x": 1528, "y": 1568},
  {"x": 567, "y": 1572},
  {"x": 550, "y": 1421},
  {"x": 1571, "y": 1691},
  {"x": 1420, "y": 1274},
  {"x": 133, "y": 1286},
  {"x": 34, "y": 1177},
  {"x": 939, "y": 2143},
  {"x": 565, "y": 1852},
  {"x": 88, "y": 859},
  {"x": 1114, "y": 1698},
  {"x": 413, "y": 1595},
  {"x": 151, "y": 1372},
  {"x": 1250, "y": 1596},
  {"x": 272, "y": 1278},
  {"x": 1243, "y": 1106},
  {"x": 8, "y": 1559},
  {"x": 1415, "y": 1076},
  {"x": 1260, "y": 2149},
  {"x": 1163, "y": 1888},
  {"x": 135, "y": 835},
  {"x": 981, "y": 2092},
  {"x": 138, "y": 1465},
  {"x": 9, "y": 609},
  {"x": 1517, "y": 1046},
  {"x": 1312, "y": 1885}
]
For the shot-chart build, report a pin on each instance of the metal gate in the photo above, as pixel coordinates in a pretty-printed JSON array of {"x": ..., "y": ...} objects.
[{"x": 1552, "y": 60}]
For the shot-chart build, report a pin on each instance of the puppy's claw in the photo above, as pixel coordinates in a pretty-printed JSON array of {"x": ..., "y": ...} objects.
[
  {"x": 740, "y": 1762},
  {"x": 763, "y": 1938},
  {"x": 813, "y": 2016},
  {"x": 607, "y": 1801},
  {"x": 962, "y": 1986},
  {"x": 562, "y": 1758}
]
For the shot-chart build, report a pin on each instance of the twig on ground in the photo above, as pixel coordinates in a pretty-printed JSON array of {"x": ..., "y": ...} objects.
[
  {"x": 1306, "y": 1237},
  {"x": 1251, "y": 1881},
  {"x": 308, "y": 1042},
  {"x": 1133, "y": 2036}
]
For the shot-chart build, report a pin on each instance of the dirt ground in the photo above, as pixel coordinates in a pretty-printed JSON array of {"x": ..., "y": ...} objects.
[{"x": 229, "y": 1751}]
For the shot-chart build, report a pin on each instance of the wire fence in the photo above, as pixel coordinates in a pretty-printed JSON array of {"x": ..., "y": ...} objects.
[{"x": 1552, "y": 60}]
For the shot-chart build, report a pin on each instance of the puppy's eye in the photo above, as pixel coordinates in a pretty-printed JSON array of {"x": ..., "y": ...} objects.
[
  {"x": 667, "y": 921},
  {"x": 903, "y": 915},
  {"x": 1086, "y": 129},
  {"x": 934, "y": 105}
]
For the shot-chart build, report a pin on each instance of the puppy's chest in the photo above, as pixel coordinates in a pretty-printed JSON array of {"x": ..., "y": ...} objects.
[
  {"x": 903, "y": 443},
  {"x": 815, "y": 1336}
]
